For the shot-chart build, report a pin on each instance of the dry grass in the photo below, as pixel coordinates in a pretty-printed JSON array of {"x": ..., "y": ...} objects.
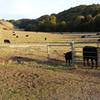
[
  {"x": 39, "y": 49},
  {"x": 40, "y": 37},
  {"x": 38, "y": 81},
  {"x": 35, "y": 82},
  {"x": 4, "y": 25}
]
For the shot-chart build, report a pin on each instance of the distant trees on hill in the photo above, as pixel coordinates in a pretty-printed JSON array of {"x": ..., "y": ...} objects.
[{"x": 82, "y": 18}]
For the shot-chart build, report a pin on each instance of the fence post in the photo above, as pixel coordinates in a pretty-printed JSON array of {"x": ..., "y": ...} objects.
[
  {"x": 48, "y": 51},
  {"x": 73, "y": 53},
  {"x": 98, "y": 54}
]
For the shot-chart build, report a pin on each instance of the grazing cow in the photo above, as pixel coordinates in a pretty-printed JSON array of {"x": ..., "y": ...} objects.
[
  {"x": 90, "y": 56},
  {"x": 45, "y": 38},
  {"x": 98, "y": 40},
  {"x": 27, "y": 35},
  {"x": 7, "y": 41},
  {"x": 68, "y": 57},
  {"x": 14, "y": 34},
  {"x": 98, "y": 34},
  {"x": 83, "y": 36},
  {"x": 17, "y": 36}
]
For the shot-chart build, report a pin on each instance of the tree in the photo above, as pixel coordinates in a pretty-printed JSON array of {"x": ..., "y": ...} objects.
[
  {"x": 61, "y": 26},
  {"x": 53, "y": 20},
  {"x": 97, "y": 22},
  {"x": 88, "y": 18},
  {"x": 77, "y": 23}
]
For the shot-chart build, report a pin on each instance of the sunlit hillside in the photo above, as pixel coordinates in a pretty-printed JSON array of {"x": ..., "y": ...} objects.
[{"x": 5, "y": 25}]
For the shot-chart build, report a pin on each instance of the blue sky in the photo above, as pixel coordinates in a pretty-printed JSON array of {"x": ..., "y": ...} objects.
[{"x": 17, "y": 9}]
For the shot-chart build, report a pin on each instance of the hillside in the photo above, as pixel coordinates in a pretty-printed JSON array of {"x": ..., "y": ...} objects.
[
  {"x": 82, "y": 10},
  {"x": 83, "y": 18},
  {"x": 5, "y": 25}
]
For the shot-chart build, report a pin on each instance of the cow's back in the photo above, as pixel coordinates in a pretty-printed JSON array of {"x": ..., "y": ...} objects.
[
  {"x": 90, "y": 52},
  {"x": 68, "y": 55}
]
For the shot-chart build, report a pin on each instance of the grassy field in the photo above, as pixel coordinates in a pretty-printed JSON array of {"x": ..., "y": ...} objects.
[
  {"x": 20, "y": 37},
  {"x": 34, "y": 45},
  {"x": 37, "y": 79}
]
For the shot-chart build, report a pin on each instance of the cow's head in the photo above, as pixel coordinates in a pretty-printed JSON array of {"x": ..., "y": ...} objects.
[{"x": 64, "y": 53}]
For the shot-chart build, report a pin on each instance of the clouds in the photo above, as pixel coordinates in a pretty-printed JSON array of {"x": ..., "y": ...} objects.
[{"x": 15, "y": 9}]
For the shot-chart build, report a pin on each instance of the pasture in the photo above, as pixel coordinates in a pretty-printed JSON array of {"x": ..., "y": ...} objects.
[
  {"x": 40, "y": 46},
  {"x": 34, "y": 78},
  {"x": 40, "y": 37}
]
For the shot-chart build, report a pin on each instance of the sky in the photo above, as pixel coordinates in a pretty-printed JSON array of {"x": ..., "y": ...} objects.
[{"x": 17, "y": 9}]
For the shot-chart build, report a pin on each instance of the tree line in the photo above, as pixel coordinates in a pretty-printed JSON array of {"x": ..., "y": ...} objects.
[{"x": 83, "y": 18}]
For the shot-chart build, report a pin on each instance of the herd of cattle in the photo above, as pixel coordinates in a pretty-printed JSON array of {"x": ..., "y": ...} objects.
[{"x": 90, "y": 56}]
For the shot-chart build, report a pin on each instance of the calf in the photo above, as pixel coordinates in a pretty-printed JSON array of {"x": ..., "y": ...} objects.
[{"x": 68, "y": 57}]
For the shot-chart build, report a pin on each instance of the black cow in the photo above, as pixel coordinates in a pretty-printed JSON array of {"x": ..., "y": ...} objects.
[
  {"x": 27, "y": 35},
  {"x": 45, "y": 38},
  {"x": 68, "y": 57},
  {"x": 83, "y": 36},
  {"x": 98, "y": 34},
  {"x": 7, "y": 41},
  {"x": 90, "y": 56},
  {"x": 98, "y": 40},
  {"x": 17, "y": 36}
]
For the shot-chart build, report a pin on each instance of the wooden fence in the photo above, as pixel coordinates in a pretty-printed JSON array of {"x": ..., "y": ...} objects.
[
  {"x": 77, "y": 50},
  {"x": 49, "y": 50}
]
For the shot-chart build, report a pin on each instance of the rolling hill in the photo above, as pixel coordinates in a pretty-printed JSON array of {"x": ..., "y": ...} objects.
[
  {"x": 82, "y": 18},
  {"x": 81, "y": 10},
  {"x": 5, "y": 25}
]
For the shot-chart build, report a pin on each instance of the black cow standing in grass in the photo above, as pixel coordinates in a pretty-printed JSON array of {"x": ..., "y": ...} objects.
[
  {"x": 7, "y": 41},
  {"x": 90, "y": 56},
  {"x": 68, "y": 57}
]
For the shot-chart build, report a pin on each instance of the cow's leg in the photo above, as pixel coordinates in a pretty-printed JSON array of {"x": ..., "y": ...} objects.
[
  {"x": 92, "y": 62},
  {"x": 84, "y": 61},
  {"x": 96, "y": 60},
  {"x": 69, "y": 62},
  {"x": 88, "y": 62},
  {"x": 66, "y": 62}
]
